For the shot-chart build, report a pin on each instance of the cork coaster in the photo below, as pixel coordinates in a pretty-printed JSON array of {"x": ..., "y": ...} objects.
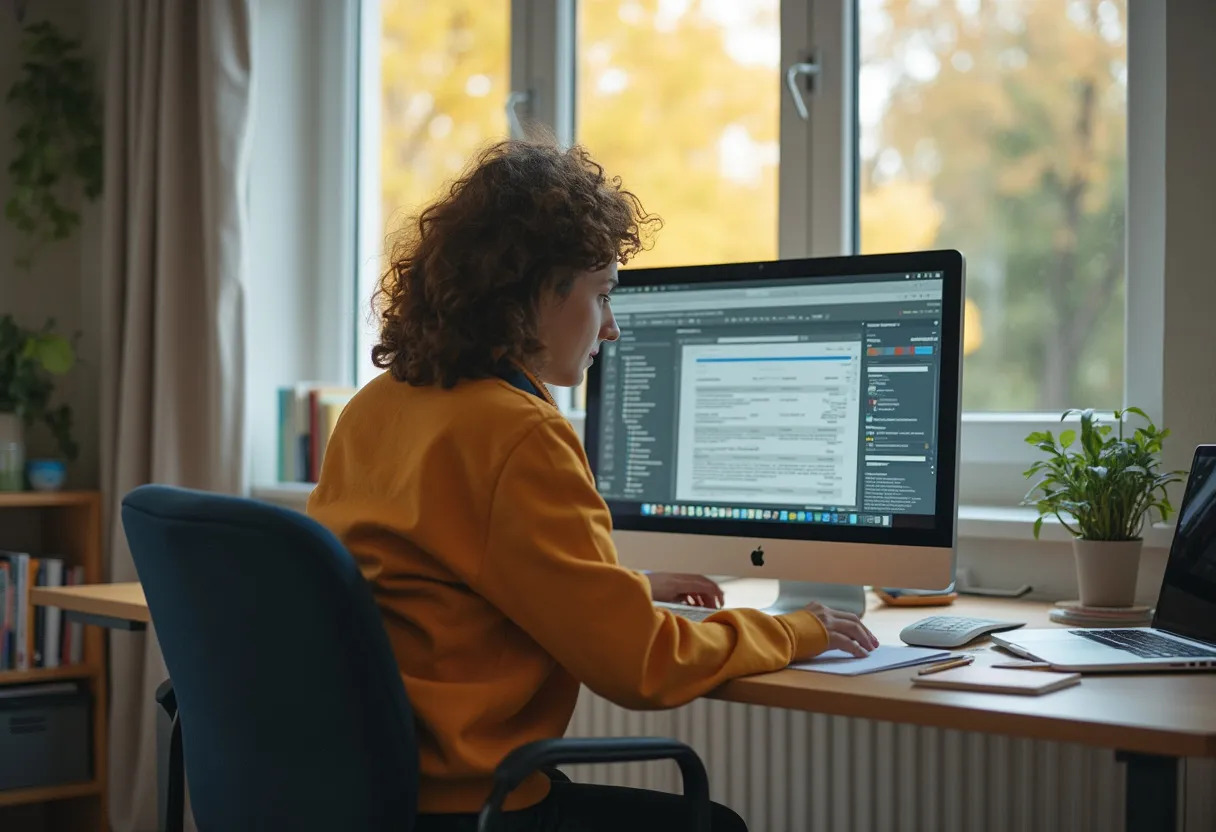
[
  {"x": 1134, "y": 611},
  {"x": 1079, "y": 616}
]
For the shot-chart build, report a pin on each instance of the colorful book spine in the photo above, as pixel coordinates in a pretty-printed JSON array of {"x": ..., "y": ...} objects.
[
  {"x": 6, "y": 615},
  {"x": 52, "y": 653},
  {"x": 34, "y": 636},
  {"x": 33, "y": 567},
  {"x": 307, "y": 413},
  {"x": 19, "y": 564}
]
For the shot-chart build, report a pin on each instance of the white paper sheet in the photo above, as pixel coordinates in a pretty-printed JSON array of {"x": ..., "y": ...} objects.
[{"x": 883, "y": 657}]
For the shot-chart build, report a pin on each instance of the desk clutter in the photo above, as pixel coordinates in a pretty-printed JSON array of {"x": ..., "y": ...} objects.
[
  {"x": 883, "y": 657},
  {"x": 916, "y": 597},
  {"x": 952, "y": 630},
  {"x": 997, "y": 680},
  {"x": 1076, "y": 614},
  {"x": 945, "y": 670}
]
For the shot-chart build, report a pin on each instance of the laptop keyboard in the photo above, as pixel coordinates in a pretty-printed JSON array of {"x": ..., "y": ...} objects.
[{"x": 1145, "y": 645}]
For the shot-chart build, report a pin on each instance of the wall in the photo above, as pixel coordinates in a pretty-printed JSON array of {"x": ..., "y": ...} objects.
[
  {"x": 1189, "y": 365},
  {"x": 301, "y": 214},
  {"x": 301, "y": 221},
  {"x": 1171, "y": 128},
  {"x": 64, "y": 281}
]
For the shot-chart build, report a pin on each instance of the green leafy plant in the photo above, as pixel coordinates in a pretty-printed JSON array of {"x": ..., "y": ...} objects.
[
  {"x": 1103, "y": 489},
  {"x": 29, "y": 361},
  {"x": 57, "y": 142}
]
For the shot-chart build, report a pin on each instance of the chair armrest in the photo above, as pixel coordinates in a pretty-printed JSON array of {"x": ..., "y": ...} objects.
[
  {"x": 167, "y": 698},
  {"x": 526, "y": 759}
]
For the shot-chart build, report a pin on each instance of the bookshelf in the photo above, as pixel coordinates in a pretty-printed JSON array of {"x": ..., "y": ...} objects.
[{"x": 67, "y": 523}]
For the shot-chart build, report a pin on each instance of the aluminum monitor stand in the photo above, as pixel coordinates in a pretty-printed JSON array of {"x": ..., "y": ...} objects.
[{"x": 794, "y": 595}]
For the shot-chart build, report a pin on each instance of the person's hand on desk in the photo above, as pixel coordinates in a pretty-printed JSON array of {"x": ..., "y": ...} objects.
[
  {"x": 678, "y": 588},
  {"x": 845, "y": 630}
]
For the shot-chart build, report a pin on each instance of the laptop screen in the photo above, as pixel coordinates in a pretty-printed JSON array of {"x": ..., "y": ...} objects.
[{"x": 1187, "y": 605}]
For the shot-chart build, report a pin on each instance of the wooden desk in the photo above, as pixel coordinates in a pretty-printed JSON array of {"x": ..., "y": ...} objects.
[
  {"x": 1150, "y": 720},
  {"x": 120, "y": 606},
  {"x": 1172, "y": 714}
]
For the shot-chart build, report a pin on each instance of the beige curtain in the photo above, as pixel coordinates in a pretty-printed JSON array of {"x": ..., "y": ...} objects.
[{"x": 177, "y": 125}]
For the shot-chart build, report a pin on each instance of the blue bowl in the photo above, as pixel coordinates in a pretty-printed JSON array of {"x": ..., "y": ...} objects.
[{"x": 46, "y": 474}]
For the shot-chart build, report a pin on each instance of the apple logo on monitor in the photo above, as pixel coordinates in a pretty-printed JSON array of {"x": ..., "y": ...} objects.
[{"x": 758, "y": 556}]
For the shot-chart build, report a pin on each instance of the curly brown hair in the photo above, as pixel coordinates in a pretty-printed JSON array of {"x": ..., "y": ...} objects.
[{"x": 464, "y": 279}]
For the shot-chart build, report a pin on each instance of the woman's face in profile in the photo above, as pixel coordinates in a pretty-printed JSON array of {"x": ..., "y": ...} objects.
[{"x": 572, "y": 326}]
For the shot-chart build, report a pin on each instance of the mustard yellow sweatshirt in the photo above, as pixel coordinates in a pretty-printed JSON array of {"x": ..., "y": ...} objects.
[{"x": 473, "y": 513}]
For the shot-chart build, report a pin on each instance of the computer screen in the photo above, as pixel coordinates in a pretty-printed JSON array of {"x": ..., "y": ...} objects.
[{"x": 797, "y": 399}]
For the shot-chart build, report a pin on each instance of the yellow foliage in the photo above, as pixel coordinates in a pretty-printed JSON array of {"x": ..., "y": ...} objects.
[
  {"x": 973, "y": 328},
  {"x": 692, "y": 131},
  {"x": 899, "y": 216},
  {"x": 444, "y": 72},
  {"x": 661, "y": 103}
]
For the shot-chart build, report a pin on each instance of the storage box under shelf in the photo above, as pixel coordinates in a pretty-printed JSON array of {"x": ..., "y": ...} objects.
[{"x": 45, "y": 735}]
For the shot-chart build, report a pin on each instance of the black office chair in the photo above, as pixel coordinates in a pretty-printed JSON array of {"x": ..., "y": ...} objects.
[{"x": 286, "y": 703}]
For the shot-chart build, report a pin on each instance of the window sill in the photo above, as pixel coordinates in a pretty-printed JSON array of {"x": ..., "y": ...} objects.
[
  {"x": 974, "y": 522},
  {"x": 1007, "y": 523},
  {"x": 293, "y": 495}
]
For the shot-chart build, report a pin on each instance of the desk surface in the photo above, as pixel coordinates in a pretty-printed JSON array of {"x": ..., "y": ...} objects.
[
  {"x": 1171, "y": 714},
  {"x": 1167, "y": 713},
  {"x": 123, "y": 601}
]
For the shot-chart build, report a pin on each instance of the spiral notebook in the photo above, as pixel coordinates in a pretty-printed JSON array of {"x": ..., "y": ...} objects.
[{"x": 998, "y": 680}]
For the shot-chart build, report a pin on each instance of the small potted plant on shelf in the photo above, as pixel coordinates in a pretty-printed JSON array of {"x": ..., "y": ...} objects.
[
  {"x": 1102, "y": 486},
  {"x": 29, "y": 361}
]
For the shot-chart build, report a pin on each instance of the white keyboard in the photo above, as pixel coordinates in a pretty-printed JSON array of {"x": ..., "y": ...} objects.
[{"x": 952, "y": 630}]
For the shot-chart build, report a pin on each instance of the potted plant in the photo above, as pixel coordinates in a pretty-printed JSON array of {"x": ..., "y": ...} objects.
[
  {"x": 29, "y": 361},
  {"x": 1102, "y": 486}
]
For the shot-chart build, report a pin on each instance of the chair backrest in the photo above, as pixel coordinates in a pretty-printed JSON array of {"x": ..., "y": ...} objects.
[{"x": 292, "y": 708}]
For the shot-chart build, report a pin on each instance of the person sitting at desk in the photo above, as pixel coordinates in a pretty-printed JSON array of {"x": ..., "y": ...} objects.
[{"x": 466, "y": 498}]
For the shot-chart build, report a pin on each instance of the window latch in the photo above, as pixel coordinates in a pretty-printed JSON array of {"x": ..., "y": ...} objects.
[
  {"x": 808, "y": 69},
  {"x": 514, "y": 99}
]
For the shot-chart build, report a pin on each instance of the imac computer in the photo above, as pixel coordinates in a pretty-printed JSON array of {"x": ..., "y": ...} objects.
[{"x": 793, "y": 419}]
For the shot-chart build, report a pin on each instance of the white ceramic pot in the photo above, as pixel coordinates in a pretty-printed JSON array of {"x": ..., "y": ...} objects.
[
  {"x": 12, "y": 452},
  {"x": 1107, "y": 571}
]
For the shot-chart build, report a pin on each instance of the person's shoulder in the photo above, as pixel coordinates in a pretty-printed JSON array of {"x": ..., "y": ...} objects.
[
  {"x": 495, "y": 401},
  {"x": 485, "y": 406},
  {"x": 511, "y": 415}
]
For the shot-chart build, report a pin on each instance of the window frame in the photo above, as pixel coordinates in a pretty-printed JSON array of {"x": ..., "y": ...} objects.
[
  {"x": 369, "y": 235},
  {"x": 818, "y": 188},
  {"x": 993, "y": 452}
]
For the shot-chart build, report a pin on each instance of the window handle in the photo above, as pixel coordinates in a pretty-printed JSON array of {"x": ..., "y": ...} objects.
[
  {"x": 514, "y": 125},
  {"x": 808, "y": 68}
]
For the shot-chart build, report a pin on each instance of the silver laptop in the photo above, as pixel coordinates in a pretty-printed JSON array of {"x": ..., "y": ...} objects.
[{"x": 1183, "y": 635}]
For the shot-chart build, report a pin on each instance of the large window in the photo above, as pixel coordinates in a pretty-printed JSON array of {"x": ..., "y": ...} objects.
[
  {"x": 681, "y": 99},
  {"x": 444, "y": 77},
  {"x": 999, "y": 128},
  {"x": 790, "y": 128}
]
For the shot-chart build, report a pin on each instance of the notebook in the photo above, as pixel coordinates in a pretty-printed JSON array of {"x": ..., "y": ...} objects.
[
  {"x": 998, "y": 680},
  {"x": 883, "y": 657}
]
